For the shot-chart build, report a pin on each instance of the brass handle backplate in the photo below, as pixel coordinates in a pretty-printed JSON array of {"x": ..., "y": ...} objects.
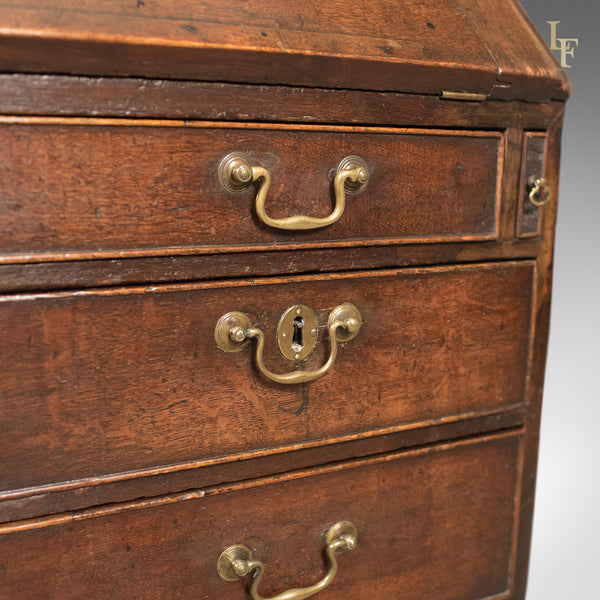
[
  {"x": 539, "y": 191},
  {"x": 236, "y": 561},
  {"x": 234, "y": 330},
  {"x": 237, "y": 173}
]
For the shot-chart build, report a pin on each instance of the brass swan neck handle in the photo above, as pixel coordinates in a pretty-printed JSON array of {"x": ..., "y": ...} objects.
[
  {"x": 236, "y": 561},
  {"x": 233, "y": 330},
  {"x": 237, "y": 173}
]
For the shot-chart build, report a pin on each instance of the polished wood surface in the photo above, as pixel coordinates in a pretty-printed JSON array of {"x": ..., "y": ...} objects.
[
  {"x": 121, "y": 188},
  {"x": 75, "y": 274},
  {"x": 433, "y": 522},
  {"x": 135, "y": 379},
  {"x": 532, "y": 167},
  {"x": 26, "y": 503},
  {"x": 58, "y": 95},
  {"x": 423, "y": 47},
  {"x": 134, "y": 451},
  {"x": 535, "y": 384}
]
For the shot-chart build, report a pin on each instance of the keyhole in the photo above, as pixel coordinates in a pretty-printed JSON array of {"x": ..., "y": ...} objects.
[
  {"x": 298, "y": 336},
  {"x": 297, "y": 332}
]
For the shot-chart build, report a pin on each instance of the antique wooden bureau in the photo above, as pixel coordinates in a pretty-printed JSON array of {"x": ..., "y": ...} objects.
[{"x": 275, "y": 284}]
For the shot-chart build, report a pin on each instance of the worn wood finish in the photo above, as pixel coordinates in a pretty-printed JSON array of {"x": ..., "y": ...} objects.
[
  {"x": 61, "y": 275},
  {"x": 529, "y": 217},
  {"x": 423, "y": 47},
  {"x": 107, "y": 381},
  {"x": 121, "y": 487},
  {"x": 436, "y": 522},
  {"x": 58, "y": 95},
  {"x": 535, "y": 383},
  {"x": 121, "y": 188},
  {"x": 524, "y": 60},
  {"x": 133, "y": 449}
]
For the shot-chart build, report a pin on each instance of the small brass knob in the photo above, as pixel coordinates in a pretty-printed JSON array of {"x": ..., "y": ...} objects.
[
  {"x": 235, "y": 173},
  {"x": 539, "y": 191},
  {"x": 359, "y": 167},
  {"x": 241, "y": 172},
  {"x": 237, "y": 334}
]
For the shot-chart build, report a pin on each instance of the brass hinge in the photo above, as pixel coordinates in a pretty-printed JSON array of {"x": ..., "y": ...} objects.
[{"x": 466, "y": 96}]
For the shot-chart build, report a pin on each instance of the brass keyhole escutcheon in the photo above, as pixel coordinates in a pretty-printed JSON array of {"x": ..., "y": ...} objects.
[
  {"x": 297, "y": 332},
  {"x": 296, "y": 338}
]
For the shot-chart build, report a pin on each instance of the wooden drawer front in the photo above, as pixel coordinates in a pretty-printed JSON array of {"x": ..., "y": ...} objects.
[
  {"x": 433, "y": 523},
  {"x": 124, "y": 190},
  {"x": 108, "y": 381}
]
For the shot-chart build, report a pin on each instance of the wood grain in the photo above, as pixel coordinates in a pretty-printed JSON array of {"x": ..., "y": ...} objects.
[
  {"x": 437, "y": 522},
  {"x": 107, "y": 381},
  {"x": 158, "y": 481},
  {"x": 529, "y": 217},
  {"x": 523, "y": 59},
  {"x": 166, "y": 99},
  {"x": 76, "y": 274},
  {"x": 535, "y": 384},
  {"x": 122, "y": 188},
  {"x": 133, "y": 450},
  {"x": 423, "y": 47}
]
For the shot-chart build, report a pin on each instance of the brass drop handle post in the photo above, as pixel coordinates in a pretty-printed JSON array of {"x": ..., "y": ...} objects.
[
  {"x": 539, "y": 191},
  {"x": 236, "y": 561},
  {"x": 237, "y": 173},
  {"x": 234, "y": 330}
]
